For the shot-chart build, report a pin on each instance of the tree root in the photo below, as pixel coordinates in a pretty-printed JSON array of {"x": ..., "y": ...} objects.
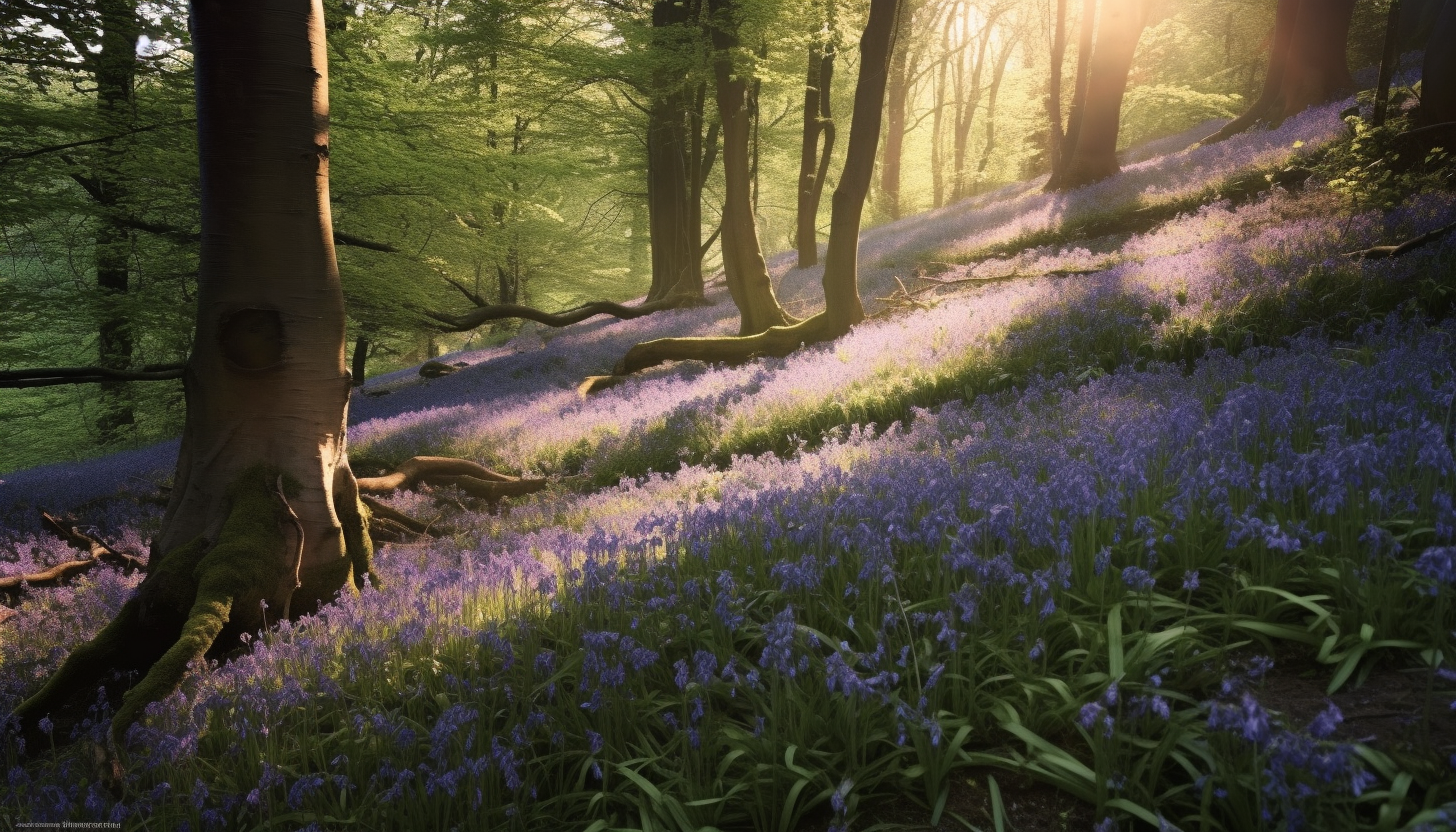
[
  {"x": 776, "y": 341},
  {"x": 470, "y": 477},
  {"x": 1381, "y": 252},
  {"x": 98, "y": 552},
  {"x": 486, "y": 312}
]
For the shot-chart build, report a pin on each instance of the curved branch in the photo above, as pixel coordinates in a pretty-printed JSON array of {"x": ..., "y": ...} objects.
[
  {"x": 97, "y": 552},
  {"x": 503, "y": 311}
]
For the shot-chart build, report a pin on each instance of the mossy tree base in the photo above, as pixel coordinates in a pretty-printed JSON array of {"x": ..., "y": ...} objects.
[{"x": 198, "y": 599}]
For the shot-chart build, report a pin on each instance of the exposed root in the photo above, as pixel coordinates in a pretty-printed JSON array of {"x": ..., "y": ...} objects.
[
  {"x": 1381, "y": 252},
  {"x": 97, "y": 552},
  {"x": 486, "y": 312},
  {"x": 392, "y": 521},
  {"x": 775, "y": 341},
  {"x": 470, "y": 477}
]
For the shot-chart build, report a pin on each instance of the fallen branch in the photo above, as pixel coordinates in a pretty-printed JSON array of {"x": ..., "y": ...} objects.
[
  {"x": 1381, "y": 252},
  {"x": 467, "y": 321},
  {"x": 97, "y": 552},
  {"x": 50, "y": 376},
  {"x": 384, "y": 514},
  {"x": 471, "y": 477}
]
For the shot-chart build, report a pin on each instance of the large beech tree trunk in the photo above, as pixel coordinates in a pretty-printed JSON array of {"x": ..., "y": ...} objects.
[
  {"x": 743, "y": 261},
  {"x": 264, "y": 509},
  {"x": 842, "y": 307},
  {"x": 1093, "y": 154},
  {"x": 1306, "y": 62},
  {"x": 673, "y": 225},
  {"x": 1054, "y": 87},
  {"x": 814, "y": 164},
  {"x": 1438, "y": 73}
]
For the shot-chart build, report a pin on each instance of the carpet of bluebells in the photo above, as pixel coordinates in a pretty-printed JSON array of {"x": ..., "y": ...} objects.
[{"x": 1019, "y": 528}]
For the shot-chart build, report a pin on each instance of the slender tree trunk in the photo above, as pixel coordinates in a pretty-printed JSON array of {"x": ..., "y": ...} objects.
[
  {"x": 1094, "y": 157},
  {"x": 1087, "y": 28},
  {"x": 1054, "y": 88},
  {"x": 841, "y": 294},
  {"x": 997, "y": 74},
  {"x": 1388, "y": 57},
  {"x": 968, "y": 94},
  {"x": 743, "y": 261},
  {"x": 937, "y": 129},
  {"x": 816, "y": 121},
  {"x": 1438, "y": 73},
  {"x": 896, "y": 96},
  {"x": 115, "y": 85}
]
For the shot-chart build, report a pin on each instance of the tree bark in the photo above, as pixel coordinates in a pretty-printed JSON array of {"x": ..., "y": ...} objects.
[
  {"x": 264, "y": 509},
  {"x": 816, "y": 123},
  {"x": 1306, "y": 63},
  {"x": 1007, "y": 48},
  {"x": 1054, "y": 87},
  {"x": 1438, "y": 73},
  {"x": 896, "y": 96},
  {"x": 675, "y": 239},
  {"x": 743, "y": 262},
  {"x": 842, "y": 307},
  {"x": 1086, "y": 30},
  {"x": 1388, "y": 56},
  {"x": 1094, "y": 155}
]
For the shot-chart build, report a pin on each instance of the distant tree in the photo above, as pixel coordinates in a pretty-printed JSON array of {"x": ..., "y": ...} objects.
[
  {"x": 1306, "y": 62},
  {"x": 842, "y": 306},
  {"x": 1090, "y": 152},
  {"x": 818, "y": 123},
  {"x": 744, "y": 266}
]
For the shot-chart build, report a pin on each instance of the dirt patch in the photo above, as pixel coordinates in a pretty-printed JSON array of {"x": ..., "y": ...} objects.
[
  {"x": 1394, "y": 710},
  {"x": 1028, "y": 805}
]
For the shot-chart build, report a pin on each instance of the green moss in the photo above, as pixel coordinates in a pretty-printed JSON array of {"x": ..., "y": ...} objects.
[
  {"x": 244, "y": 561},
  {"x": 357, "y": 543}
]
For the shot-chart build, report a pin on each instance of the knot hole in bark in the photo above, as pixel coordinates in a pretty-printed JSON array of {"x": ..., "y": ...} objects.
[{"x": 252, "y": 339}]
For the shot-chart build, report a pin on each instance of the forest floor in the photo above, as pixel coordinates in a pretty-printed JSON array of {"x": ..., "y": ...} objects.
[{"x": 1129, "y": 507}]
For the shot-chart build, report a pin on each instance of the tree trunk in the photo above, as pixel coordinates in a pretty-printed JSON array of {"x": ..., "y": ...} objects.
[
  {"x": 1094, "y": 156},
  {"x": 1086, "y": 30},
  {"x": 115, "y": 85},
  {"x": 1007, "y": 48},
  {"x": 743, "y": 261},
  {"x": 1306, "y": 62},
  {"x": 897, "y": 93},
  {"x": 968, "y": 97},
  {"x": 842, "y": 308},
  {"x": 1438, "y": 73},
  {"x": 1388, "y": 56},
  {"x": 667, "y": 164},
  {"x": 1054, "y": 88},
  {"x": 816, "y": 122},
  {"x": 264, "y": 519}
]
